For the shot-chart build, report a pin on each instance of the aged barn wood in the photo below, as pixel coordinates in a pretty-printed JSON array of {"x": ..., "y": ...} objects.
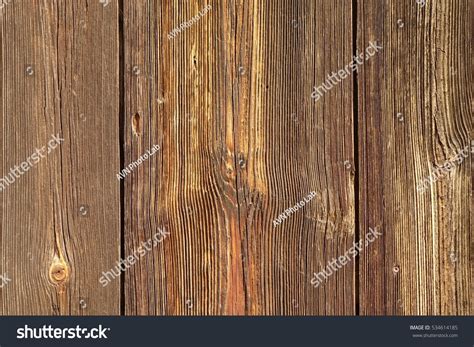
[
  {"x": 415, "y": 115},
  {"x": 60, "y": 220},
  {"x": 180, "y": 92},
  {"x": 188, "y": 130},
  {"x": 294, "y": 146}
]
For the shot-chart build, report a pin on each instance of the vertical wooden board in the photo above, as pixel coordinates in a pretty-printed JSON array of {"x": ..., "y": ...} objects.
[
  {"x": 290, "y": 145},
  {"x": 415, "y": 115},
  {"x": 178, "y": 96},
  {"x": 60, "y": 219}
]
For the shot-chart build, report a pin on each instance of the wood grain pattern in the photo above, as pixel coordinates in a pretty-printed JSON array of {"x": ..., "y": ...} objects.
[
  {"x": 60, "y": 220},
  {"x": 188, "y": 187},
  {"x": 293, "y": 146},
  {"x": 228, "y": 101},
  {"x": 423, "y": 264}
]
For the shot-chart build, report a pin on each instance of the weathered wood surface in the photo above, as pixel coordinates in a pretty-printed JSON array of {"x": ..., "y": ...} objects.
[
  {"x": 241, "y": 140},
  {"x": 415, "y": 114},
  {"x": 60, "y": 220}
]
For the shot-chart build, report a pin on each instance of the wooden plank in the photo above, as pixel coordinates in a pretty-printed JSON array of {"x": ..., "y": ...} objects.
[
  {"x": 414, "y": 116},
  {"x": 178, "y": 90},
  {"x": 60, "y": 219},
  {"x": 228, "y": 100},
  {"x": 294, "y": 145}
]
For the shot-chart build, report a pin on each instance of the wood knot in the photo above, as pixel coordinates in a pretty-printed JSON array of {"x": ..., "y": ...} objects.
[
  {"x": 136, "y": 124},
  {"x": 58, "y": 273}
]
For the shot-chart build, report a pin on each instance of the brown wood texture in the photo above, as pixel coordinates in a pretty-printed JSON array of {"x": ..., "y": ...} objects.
[
  {"x": 60, "y": 220},
  {"x": 241, "y": 140},
  {"x": 415, "y": 114}
]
